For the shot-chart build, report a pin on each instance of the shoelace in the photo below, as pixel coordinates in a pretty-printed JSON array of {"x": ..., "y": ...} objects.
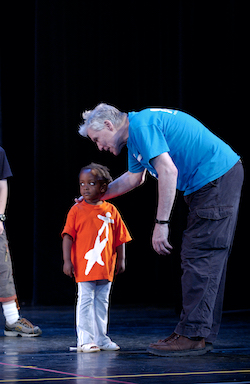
[
  {"x": 26, "y": 322},
  {"x": 172, "y": 337}
]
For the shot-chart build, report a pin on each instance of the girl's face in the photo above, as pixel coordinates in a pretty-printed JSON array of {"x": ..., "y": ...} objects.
[{"x": 91, "y": 188}]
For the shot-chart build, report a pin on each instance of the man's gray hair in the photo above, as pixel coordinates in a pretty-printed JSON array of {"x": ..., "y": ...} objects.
[{"x": 95, "y": 118}]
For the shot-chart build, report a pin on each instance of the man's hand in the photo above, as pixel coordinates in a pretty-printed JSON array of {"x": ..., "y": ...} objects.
[
  {"x": 68, "y": 268},
  {"x": 78, "y": 199},
  {"x": 160, "y": 239}
]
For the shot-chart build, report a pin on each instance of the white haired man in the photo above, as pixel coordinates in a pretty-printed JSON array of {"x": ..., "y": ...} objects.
[{"x": 182, "y": 154}]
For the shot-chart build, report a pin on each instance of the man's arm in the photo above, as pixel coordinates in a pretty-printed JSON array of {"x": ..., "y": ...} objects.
[
  {"x": 167, "y": 181},
  {"x": 3, "y": 200},
  {"x": 124, "y": 184},
  {"x": 121, "y": 185}
]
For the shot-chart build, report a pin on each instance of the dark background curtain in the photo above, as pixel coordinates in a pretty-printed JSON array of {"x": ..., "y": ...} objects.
[{"x": 60, "y": 57}]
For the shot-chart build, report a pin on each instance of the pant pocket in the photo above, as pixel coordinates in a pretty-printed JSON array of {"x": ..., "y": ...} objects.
[{"x": 210, "y": 228}]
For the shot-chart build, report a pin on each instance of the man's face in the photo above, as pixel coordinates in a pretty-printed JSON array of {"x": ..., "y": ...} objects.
[{"x": 107, "y": 139}]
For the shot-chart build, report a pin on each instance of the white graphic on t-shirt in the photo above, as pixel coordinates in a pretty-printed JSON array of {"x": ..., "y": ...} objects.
[
  {"x": 172, "y": 112},
  {"x": 94, "y": 255}
]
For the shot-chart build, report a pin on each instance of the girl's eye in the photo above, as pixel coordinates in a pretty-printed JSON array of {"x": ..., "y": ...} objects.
[{"x": 92, "y": 183}]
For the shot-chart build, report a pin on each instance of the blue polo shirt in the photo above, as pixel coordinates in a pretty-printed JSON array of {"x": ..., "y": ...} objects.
[{"x": 198, "y": 154}]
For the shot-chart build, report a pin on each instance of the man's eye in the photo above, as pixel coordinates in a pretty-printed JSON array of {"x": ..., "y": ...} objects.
[
  {"x": 92, "y": 183},
  {"x": 82, "y": 184}
]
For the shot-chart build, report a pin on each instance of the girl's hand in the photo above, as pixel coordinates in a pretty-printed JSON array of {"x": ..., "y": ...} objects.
[
  {"x": 120, "y": 266},
  {"x": 68, "y": 268}
]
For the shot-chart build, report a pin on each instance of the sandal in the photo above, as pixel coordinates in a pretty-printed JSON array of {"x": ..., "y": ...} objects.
[
  {"x": 88, "y": 348},
  {"x": 111, "y": 346}
]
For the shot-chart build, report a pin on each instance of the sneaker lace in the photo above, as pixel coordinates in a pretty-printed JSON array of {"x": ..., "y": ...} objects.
[{"x": 26, "y": 322}]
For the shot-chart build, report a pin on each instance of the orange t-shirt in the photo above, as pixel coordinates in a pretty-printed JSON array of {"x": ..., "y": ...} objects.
[{"x": 97, "y": 230}]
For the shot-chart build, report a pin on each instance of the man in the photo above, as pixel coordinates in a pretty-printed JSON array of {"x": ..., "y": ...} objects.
[
  {"x": 183, "y": 154},
  {"x": 15, "y": 325}
]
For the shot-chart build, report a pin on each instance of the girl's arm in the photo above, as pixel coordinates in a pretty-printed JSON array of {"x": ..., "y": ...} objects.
[
  {"x": 68, "y": 268},
  {"x": 120, "y": 263}
]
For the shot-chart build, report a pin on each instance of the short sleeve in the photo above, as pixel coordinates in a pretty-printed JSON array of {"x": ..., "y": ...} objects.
[
  {"x": 5, "y": 170},
  {"x": 122, "y": 234},
  {"x": 134, "y": 165},
  {"x": 69, "y": 227},
  {"x": 150, "y": 142},
  {"x": 145, "y": 142}
]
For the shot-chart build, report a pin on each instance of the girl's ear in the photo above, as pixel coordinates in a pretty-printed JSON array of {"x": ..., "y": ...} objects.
[{"x": 104, "y": 188}]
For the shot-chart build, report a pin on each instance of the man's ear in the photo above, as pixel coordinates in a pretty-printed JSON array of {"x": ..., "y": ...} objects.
[
  {"x": 109, "y": 125},
  {"x": 104, "y": 188}
]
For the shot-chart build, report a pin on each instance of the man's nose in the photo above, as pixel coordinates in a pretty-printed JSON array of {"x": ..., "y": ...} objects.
[{"x": 100, "y": 146}]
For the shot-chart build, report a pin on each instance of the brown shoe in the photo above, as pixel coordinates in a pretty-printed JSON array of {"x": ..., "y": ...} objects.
[{"x": 177, "y": 345}]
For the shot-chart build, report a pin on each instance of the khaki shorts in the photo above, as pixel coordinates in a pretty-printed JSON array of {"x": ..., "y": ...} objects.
[{"x": 7, "y": 286}]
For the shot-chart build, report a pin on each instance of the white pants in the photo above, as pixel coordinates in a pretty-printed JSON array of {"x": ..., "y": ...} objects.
[{"x": 92, "y": 312}]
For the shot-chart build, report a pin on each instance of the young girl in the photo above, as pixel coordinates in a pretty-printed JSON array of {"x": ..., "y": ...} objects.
[{"x": 94, "y": 240}]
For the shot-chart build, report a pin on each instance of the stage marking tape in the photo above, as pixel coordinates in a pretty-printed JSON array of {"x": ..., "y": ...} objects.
[
  {"x": 73, "y": 375},
  {"x": 177, "y": 374},
  {"x": 109, "y": 378}
]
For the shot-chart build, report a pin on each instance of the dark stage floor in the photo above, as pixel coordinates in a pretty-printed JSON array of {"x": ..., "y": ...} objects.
[{"x": 47, "y": 359}]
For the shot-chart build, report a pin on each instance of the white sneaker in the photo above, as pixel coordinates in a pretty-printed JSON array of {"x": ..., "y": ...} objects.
[{"x": 111, "y": 346}]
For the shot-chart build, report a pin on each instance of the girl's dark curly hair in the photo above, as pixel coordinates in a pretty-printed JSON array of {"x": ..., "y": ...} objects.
[{"x": 100, "y": 171}]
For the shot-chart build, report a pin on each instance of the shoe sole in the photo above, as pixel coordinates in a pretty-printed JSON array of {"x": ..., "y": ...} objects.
[
  {"x": 190, "y": 352},
  {"x": 113, "y": 349},
  {"x": 209, "y": 347},
  {"x": 21, "y": 334}
]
